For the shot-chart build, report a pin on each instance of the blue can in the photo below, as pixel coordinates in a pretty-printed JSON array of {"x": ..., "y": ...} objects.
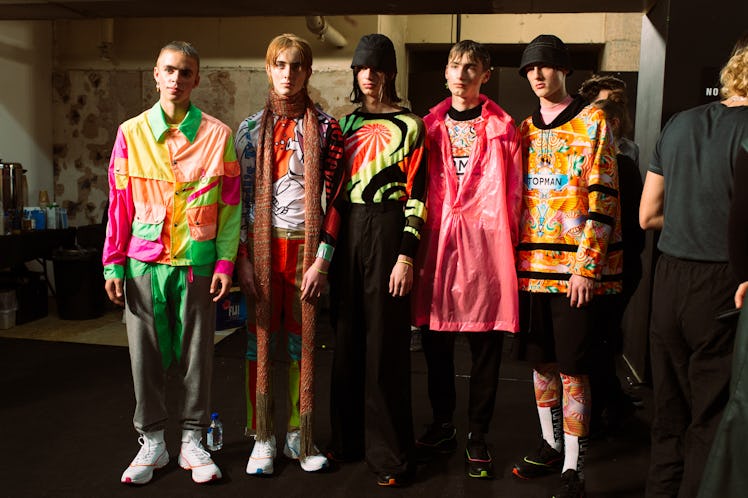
[
  {"x": 63, "y": 213},
  {"x": 37, "y": 218}
]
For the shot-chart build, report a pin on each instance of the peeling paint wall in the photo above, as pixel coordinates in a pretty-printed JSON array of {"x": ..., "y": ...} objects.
[
  {"x": 88, "y": 106},
  {"x": 92, "y": 94}
]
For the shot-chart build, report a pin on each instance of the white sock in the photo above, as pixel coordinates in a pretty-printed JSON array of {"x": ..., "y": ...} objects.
[
  {"x": 154, "y": 437},
  {"x": 189, "y": 434},
  {"x": 546, "y": 415},
  {"x": 575, "y": 449}
]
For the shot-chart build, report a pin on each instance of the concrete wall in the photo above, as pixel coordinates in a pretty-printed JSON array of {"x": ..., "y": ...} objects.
[
  {"x": 88, "y": 86},
  {"x": 619, "y": 33},
  {"x": 26, "y": 100}
]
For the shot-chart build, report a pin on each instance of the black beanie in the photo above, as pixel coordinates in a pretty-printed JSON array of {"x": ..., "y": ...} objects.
[
  {"x": 375, "y": 51},
  {"x": 548, "y": 50}
]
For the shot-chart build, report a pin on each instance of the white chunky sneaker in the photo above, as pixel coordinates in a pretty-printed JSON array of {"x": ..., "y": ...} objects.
[
  {"x": 292, "y": 449},
  {"x": 261, "y": 460},
  {"x": 152, "y": 456},
  {"x": 194, "y": 457}
]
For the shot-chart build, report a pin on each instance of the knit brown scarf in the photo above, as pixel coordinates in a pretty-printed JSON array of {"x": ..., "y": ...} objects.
[{"x": 294, "y": 107}]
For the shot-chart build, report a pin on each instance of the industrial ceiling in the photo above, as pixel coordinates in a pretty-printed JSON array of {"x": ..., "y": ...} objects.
[{"x": 93, "y": 9}]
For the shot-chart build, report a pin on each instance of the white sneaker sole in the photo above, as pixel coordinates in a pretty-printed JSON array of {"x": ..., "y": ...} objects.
[
  {"x": 145, "y": 478},
  {"x": 306, "y": 464},
  {"x": 199, "y": 474},
  {"x": 258, "y": 468}
]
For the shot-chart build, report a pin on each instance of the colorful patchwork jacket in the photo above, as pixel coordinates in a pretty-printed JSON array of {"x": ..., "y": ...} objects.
[
  {"x": 174, "y": 193},
  {"x": 570, "y": 218}
]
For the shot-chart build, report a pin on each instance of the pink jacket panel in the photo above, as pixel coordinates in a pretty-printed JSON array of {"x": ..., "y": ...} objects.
[
  {"x": 121, "y": 209},
  {"x": 466, "y": 277}
]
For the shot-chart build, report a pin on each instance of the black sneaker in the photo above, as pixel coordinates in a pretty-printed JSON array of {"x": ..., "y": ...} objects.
[
  {"x": 478, "y": 459},
  {"x": 571, "y": 485},
  {"x": 438, "y": 438},
  {"x": 396, "y": 480},
  {"x": 545, "y": 461}
]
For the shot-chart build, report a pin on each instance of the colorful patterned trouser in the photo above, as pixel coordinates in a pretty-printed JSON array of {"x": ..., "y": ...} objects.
[
  {"x": 171, "y": 319},
  {"x": 287, "y": 256},
  {"x": 575, "y": 390}
]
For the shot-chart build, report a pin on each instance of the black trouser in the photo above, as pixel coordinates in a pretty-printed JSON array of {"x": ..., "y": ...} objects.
[
  {"x": 607, "y": 311},
  {"x": 691, "y": 357},
  {"x": 485, "y": 347},
  {"x": 370, "y": 393}
]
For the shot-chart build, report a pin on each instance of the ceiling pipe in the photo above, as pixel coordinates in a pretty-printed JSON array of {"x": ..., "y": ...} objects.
[
  {"x": 320, "y": 27},
  {"x": 107, "y": 39}
]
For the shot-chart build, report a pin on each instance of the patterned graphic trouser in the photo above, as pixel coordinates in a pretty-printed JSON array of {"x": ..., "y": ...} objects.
[
  {"x": 287, "y": 256},
  {"x": 171, "y": 320}
]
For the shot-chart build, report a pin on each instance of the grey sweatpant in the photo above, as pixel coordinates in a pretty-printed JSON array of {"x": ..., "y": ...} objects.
[{"x": 170, "y": 317}]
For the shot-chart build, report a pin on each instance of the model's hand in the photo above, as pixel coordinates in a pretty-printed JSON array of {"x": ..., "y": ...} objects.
[
  {"x": 113, "y": 288},
  {"x": 245, "y": 272},
  {"x": 580, "y": 290},
  {"x": 401, "y": 277},
  {"x": 220, "y": 286},
  {"x": 314, "y": 281},
  {"x": 740, "y": 294}
]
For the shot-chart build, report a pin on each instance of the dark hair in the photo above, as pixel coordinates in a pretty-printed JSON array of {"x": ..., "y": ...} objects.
[
  {"x": 389, "y": 90},
  {"x": 615, "y": 110},
  {"x": 181, "y": 46},
  {"x": 475, "y": 51},
  {"x": 592, "y": 87}
]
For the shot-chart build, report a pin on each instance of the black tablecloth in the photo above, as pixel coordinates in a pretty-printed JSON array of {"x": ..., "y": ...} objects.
[{"x": 36, "y": 244}]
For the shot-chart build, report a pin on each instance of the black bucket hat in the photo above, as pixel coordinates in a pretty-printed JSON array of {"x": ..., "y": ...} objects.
[
  {"x": 548, "y": 50},
  {"x": 376, "y": 51}
]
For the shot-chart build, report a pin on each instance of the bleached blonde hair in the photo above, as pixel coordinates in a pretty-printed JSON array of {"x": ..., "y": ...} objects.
[{"x": 734, "y": 76}]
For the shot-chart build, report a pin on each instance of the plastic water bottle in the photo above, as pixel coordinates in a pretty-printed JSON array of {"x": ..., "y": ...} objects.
[{"x": 215, "y": 433}]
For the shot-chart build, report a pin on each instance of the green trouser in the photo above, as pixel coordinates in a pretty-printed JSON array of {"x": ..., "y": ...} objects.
[
  {"x": 725, "y": 474},
  {"x": 170, "y": 318}
]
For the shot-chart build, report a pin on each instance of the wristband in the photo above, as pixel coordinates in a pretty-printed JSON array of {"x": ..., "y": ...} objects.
[
  {"x": 321, "y": 272},
  {"x": 325, "y": 251},
  {"x": 405, "y": 262}
]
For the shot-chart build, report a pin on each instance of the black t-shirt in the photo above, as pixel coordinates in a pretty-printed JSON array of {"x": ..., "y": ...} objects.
[
  {"x": 738, "y": 226},
  {"x": 696, "y": 154}
]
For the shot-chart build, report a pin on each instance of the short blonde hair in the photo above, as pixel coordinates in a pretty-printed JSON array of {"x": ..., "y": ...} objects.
[
  {"x": 284, "y": 42},
  {"x": 734, "y": 76}
]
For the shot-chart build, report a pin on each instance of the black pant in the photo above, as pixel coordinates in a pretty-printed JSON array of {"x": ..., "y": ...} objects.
[
  {"x": 691, "y": 358},
  {"x": 370, "y": 393},
  {"x": 607, "y": 338},
  {"x": 438, "y": 347},
  {"x": 554, "y": 332}
]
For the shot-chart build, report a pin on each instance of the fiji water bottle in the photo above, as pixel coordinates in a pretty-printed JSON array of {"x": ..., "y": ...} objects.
[{"x": 215, "y": 433}]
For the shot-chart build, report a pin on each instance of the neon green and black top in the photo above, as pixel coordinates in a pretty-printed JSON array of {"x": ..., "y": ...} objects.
[{"x": 386, "y": 161}]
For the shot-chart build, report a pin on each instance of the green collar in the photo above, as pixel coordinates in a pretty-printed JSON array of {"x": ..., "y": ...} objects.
[{"x": 188, "y": 126}]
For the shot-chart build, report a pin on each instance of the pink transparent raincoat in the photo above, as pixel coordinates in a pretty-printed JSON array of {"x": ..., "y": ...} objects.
[{"x": 466, "y": 278}]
